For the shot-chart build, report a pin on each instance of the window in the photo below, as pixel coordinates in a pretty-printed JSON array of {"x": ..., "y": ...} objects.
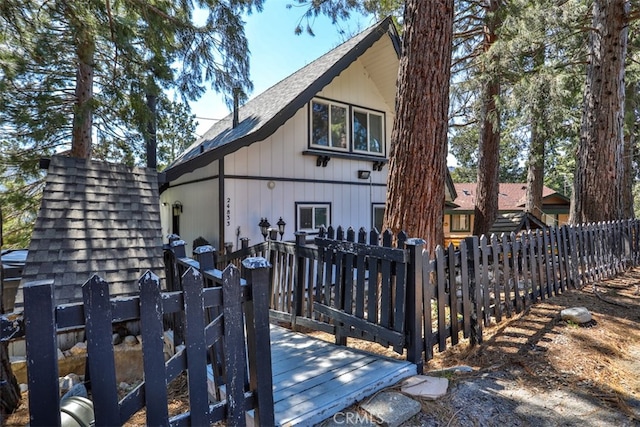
[
  {"x": 550, "y": 219},
  {"x": 343, "y": 127},
  {"x": 460, "y": 223},
  {"x": 329, "y": 124},
  {"x": 367, "y": 131},
  {"x": 378, "y": 217},
  {"x": 311, "y": 216}
]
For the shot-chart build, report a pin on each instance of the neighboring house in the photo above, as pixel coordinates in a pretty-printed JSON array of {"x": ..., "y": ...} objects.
[
  {"x": 312, "y": 150},
  {"x": 458, "y": 221},
  {"x": 95, "y": 218}
]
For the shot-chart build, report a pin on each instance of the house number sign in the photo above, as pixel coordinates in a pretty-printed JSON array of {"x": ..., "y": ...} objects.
[{"x": 228, "y": 212}]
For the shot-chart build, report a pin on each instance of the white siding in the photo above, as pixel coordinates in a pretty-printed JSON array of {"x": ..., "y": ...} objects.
[{"x": 267, "y": 178}]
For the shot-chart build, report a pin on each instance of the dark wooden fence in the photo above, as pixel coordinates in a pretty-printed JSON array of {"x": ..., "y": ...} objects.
[
  {"x": 431, "y": 300},
  {"x": 204, "y": 293}
]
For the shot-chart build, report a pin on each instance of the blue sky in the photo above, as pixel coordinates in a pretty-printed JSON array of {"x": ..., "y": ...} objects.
[{"x": 276, "y": 52}]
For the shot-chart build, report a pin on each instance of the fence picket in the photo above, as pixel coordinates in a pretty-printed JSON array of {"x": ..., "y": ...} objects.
[
  {"x": 155, "y": 385},
  {"x": 484, "y": 283},
  {"x": 453, "y": 295},
  {"x": 497, "y": 297},
  {"x": 442, "y": 299},
  {"x": 42, "y": 353},
  {"x": 507, "y": 281},
  {"x": 466, "y": 300},
  {"x": 516, "y": 270},
  {"x": 102, "y": 370}
]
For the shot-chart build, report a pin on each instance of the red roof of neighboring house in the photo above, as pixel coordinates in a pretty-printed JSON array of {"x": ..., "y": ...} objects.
[{"x": 511, "y": 196}]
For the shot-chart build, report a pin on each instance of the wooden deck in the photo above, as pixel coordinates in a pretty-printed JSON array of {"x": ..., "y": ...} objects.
[{"x": 314, "y": 379}]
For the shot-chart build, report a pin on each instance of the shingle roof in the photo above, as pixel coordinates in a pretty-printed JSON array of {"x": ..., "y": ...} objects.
[
  {"x": 511, "y": 196},
  {"x": 95, "y": 218},
  {"x": 265, "y": 113},
  {"x": 515, "y": 222}
]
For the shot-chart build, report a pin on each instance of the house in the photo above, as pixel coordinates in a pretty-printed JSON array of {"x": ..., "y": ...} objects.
[
  {"x": 458, "y": 222},
  {"x": 311, "y": 150},
  {"x": 94, "y": 218}
]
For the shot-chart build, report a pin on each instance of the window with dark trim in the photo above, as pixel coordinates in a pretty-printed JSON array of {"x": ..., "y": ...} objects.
[
  {"x": 329, "y": 124},
  {"x": 338, "y": 126},
  {"x": 460, "y": 222},
  {"x": 378, "y": 216},
  {"x": 367, "y": 131},
  {"x": 312, "y": 215}
]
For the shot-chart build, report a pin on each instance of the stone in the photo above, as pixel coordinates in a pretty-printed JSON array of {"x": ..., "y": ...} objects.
[
  {"x": 60, "y": 354},
  {"x": 80, "y": 349},
  {"x": 391, "y": 409},
  {"x": 425, "y": 386},
  {"x": 68, "y": 381},
  {"x": 130, "y": 340},
  {"x": 576, "y": 315},
  {"x": 23, "y": 387},
  {"x": 116, "y": 339}
]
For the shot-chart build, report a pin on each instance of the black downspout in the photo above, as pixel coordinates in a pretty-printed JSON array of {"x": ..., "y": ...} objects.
[{"x": 221, "y": 202}]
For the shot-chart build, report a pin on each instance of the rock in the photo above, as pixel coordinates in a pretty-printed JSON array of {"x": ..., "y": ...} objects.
[
  {"x": 68, "y": 381},
  {"x": 425, "y": 386},
  {"x": 23, "y": 388},
  {"x": 60, "y": 354},
  {"x": 123, "y": 386},
  {"x": 116, "y": 339},
  {"x": 576, "y": 315},
  {"x": 130, "y": 340},
  {"x": 80, "y": 349},
  {"x": 460, "y": 369},
  {"x": 391, "y": 409}
]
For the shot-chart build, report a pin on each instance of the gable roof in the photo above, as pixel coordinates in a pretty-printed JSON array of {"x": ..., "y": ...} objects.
[
  {"x": 515, "y": 222},
  {"x": 95, "y": 218},
  {"x": 264, "y": 114},
  {"x": 511, "y": 196}
]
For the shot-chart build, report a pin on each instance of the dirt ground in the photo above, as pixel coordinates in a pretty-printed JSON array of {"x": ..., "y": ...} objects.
[
  {"x": 535, "y": 369},
  {"x": 538, "y": 370}
]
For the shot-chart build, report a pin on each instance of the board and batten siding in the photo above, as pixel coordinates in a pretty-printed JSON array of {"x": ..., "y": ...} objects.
[
  {"x": 200, "y": 214},
  {"x": 267, "y": 178}
]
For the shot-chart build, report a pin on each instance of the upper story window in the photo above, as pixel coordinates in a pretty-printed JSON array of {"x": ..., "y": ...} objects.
[
  {"x": 329, "y": 124},
  {"x": 342, "y": 127},
  {"x": 367, "y": 131}
]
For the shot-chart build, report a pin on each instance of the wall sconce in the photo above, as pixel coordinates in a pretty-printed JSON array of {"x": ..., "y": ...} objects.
[
  {"x": 281, "y": 225},
  {"x": 177, "y": 208},
  {"x": 377, "y": 166},
  {"x": 364, "y": 174},
  {"x": 264, "y": 227}
]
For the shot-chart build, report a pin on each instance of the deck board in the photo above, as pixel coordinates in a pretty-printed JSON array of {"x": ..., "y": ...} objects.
[{"x": 314, "y": 379}]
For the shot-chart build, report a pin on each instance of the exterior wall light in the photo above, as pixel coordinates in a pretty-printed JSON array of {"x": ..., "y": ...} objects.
[
  {"x": 177, "y": 208},
  {"x": 264, "y": 227},
  {"x": 364, "y": 174},
  {"x": 281, "y": 224}
]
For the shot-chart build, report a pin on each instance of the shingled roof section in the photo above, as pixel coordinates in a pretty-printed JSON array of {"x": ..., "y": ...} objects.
[
  {"x": 511, "y": 196},
  {"x": 95, "y": 218}
]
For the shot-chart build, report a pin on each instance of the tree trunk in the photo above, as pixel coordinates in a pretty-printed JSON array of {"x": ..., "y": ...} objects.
[
  {"x": 486, "y": 208},
  {"x": 535, "y": 168},
  {"x": 150, "y": 135},
  {"x": 600, "y": 164},
  {"x": 417, "y": 168},
  {"x": 9, "y": 389},
  {"x": 83, "y": 111}
]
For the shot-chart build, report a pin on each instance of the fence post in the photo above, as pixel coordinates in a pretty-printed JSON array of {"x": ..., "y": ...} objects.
[
  {"x": 414, "y": 307},
  {"x": 42, "y": 354},
  {"x": 258, "y": 338},
  {"x": 177, "y": 249},
  {"x": 206, "y": 257}
]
